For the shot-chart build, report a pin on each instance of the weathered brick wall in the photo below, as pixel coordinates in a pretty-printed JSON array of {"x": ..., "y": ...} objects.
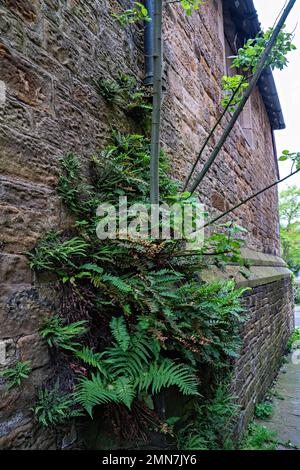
[
  {"x": 265, "y": 336},
  {"x": 51, "y": 51}
]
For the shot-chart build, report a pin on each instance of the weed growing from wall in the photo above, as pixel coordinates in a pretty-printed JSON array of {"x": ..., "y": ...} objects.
[{"x": 135, "y": 317}]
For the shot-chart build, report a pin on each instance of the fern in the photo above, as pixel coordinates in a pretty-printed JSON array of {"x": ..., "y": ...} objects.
[
  {"x": 62, "y": 336},
  {"x": 125, "y": 391},
  {"x": 92, "y": 359},
  {"x": 172, "y": 312},
  {"x": 130, "y": 367},
  {"x": 92, "y": 392},
  {"x": 54, "y": 408},
  {"x": 52, "y": 253},
  {"x": 17, "y": 374},
  {"x": 117, "y": 282},
  {"x": 92, "y": 267},
  {"x": 168, "y": 373},
  {"x": 120, "y": 333},
  {"x": 131, "y": 361}
]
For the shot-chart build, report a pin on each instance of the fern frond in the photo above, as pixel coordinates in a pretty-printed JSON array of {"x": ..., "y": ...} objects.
[
  {"x": 119, "y": 332},
  {"x": 97, "y": 280},
  {"x": 118, "y": 283},
  {"x": 62, "y": 336},
  {"x": 92, "y": 392},
  {"x": 92, "y": 267},
  {"x": 125, "y": 391},
  {"x": 93, "y": 359},
  {"x": 166, "y": 374}
]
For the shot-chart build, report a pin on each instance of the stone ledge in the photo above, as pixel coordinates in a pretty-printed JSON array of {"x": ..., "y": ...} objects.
[
  {"x": 257, "y": 258},
  {"x": 264, "y": 269}
]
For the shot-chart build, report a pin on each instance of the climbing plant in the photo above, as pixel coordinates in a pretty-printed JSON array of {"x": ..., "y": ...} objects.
[{"x": 132, "y": 15}]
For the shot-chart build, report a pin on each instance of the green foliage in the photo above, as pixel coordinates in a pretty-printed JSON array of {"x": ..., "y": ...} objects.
[
  {"x": 62, "y": 336},
  {"x": 140, "y": 13},
  {"x": 246, "y": 62},
  {"x": 51, "y": 253},
  {"x": 210, "y": 425},
  {"x": 263, "y": 410},
  {"x": 109, "y": 89},
  {"x": 226, "y": 241},
  {"x": 289, "y": 209},
  {"x": 249, "y": 55},
  {"x": 120, "y": 333},
  {"x": 131, "y": 366},
  {"x": 121, "y": 169},
  {"x": 16, "y": 374},
  {"x": 190, "y": 5},
  {"x": 233, "y": 88},
  {"x": 294, "y": 157},
  {"x": 124, "y": 92},
  {"x": 151, "y": 320},
  {"x": 132, "y": 15},
  {"x": 259, "y": 438},
  {"x": 53, "y": 408},
  {"x": 295, "y": 336}
]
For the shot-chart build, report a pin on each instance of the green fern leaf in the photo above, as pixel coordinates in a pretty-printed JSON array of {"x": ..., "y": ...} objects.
[
  {"x": 118, "y": 283},
  {"x": 120, "y": 333},
  {"x": 92, "y": 267},
  {"x": 166, "y": 374},
  {"x": 125, "y": 390},
  {"x": 93, "y": 359},
  {"x": 92, "y": 392}
]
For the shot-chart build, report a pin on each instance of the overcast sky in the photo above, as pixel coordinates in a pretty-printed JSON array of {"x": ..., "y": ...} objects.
[{"x": 287, "y": 81}]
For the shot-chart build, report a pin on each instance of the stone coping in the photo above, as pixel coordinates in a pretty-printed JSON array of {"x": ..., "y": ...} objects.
[
  {"x": 257, "y": 258},
  {"x": 263, "y": 269}
]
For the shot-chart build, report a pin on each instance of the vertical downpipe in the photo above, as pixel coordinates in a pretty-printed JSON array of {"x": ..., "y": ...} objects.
[
  {"x": 149, "y": 43},
  {"x": 157, "y": 97},
  {"x": 153, "y": 77}
]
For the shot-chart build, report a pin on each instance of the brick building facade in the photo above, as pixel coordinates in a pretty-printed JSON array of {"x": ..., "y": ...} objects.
[{"x": 51, "y": 51}]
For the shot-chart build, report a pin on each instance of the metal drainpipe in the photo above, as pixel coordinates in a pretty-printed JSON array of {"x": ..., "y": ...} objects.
[
  {"x": 159, "y": 440},
  {"x": 149, "y": 43}
]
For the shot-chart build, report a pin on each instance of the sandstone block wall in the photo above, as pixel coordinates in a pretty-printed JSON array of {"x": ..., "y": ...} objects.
[{"x": 51, "y": 51}]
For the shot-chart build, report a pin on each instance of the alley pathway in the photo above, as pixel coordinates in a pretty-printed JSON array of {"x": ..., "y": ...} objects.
[{"x": 285, "y": 420}]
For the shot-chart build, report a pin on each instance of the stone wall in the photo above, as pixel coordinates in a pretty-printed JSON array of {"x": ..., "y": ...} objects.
[
  {"x": 265, "y": 336},
  {"x": 51, "y": 51}
]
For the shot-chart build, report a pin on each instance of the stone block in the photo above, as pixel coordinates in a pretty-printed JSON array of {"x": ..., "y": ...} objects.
[
  {"x": 14, "y": 269},
  {"x": 27, "y": 9},
  {"x": 28, "y": 158},
  {"x": 34, "y": 349},
  {"x": 7, "y": 352},
  {"x": 23, "y": 308},
  {"x": 24, "y": 81}
]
